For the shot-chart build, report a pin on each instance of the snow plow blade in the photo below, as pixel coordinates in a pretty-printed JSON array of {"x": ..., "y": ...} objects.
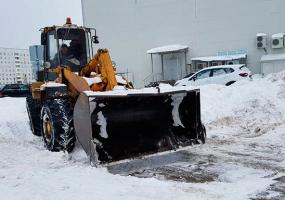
[{"x": 117, "y": 127}]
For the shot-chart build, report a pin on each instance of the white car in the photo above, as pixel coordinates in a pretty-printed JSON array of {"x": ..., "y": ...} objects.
[{"x": 223, "y": 74}]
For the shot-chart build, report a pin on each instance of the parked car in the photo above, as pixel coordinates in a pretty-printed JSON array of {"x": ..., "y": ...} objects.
[
  {"x": 223, "y": 74},
  {"x": 14, "y": 90}
]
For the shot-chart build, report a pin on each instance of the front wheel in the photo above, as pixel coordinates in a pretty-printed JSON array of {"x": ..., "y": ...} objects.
[{"x": 57, "y": 125}]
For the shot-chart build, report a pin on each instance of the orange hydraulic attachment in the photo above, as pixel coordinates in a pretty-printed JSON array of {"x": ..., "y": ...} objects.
[{"x": 102, "y": 65}]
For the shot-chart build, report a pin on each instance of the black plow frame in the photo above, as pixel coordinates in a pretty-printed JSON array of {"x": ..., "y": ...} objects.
[{"x": 116, "y": 127}]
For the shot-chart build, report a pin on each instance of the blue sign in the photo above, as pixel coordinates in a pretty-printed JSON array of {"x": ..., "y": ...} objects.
[{"x": 233, "y": 52}]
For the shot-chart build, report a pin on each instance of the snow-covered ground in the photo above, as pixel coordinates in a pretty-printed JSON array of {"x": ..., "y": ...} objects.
[{"x": 244, "y": 157}]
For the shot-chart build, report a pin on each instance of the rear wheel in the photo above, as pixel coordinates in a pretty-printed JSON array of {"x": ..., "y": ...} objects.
[
  {"x": 34, "y": 113},
  {"x": 57, "y": 125}
]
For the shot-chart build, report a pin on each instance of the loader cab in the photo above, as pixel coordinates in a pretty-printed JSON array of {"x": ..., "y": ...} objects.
[{"x": 68, "y": 46}]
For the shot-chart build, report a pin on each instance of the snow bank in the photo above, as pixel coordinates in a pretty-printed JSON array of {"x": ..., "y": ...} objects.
[
  {"x": 121, "y": 91},
  {"x": 97, "y": 79},
  {"x": 252, "y": 103},
  {"x": 103, "y": 125},
  {"x": 245, "y": 125},
  {"x": 51, "y": 84}
]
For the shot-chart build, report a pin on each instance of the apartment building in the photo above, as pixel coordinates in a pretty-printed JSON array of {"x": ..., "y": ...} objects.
[{"x": 15, "y": 66}]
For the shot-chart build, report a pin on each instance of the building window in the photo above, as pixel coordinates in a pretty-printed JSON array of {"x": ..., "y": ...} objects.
[
  {"x": 216, "y": 63},
  {"x": 201, "y": 65}
]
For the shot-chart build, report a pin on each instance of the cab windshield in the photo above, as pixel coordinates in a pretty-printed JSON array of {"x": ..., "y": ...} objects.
[{"x": 67, "y": 47}]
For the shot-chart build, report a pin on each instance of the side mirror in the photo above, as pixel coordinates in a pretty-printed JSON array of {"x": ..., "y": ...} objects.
[
  {"x": 95, "y": 39},
  {"x": 46, "y": 65},
  {"x": 114, "y": 64},
  {"x": 194, "y": 78}
]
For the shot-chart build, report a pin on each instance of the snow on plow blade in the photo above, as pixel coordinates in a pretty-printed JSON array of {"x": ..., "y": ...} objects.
[{"x": 116, "y": 127}]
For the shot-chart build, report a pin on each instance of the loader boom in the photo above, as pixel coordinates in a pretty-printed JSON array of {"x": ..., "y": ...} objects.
[{"x": 102, "y": 65}]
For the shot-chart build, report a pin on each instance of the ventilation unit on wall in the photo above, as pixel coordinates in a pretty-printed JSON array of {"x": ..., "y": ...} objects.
[
  {"x": 261, "y": 40},
  {"x": 277, "y": 41}
]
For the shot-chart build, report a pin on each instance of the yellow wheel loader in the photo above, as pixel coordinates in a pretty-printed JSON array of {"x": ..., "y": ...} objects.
[{"x": 78, "y": 96}]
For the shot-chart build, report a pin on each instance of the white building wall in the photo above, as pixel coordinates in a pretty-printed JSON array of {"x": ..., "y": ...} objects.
[
  {"x": 15, "y": 66},
  {"x": 130, "y": 27}
]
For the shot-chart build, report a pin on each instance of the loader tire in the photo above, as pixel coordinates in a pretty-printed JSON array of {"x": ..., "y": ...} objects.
[
  {"x": 57, "y": 125},
  {"x": 34, "y": 113}
]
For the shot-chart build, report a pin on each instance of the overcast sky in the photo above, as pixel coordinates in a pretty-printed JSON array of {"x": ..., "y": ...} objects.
[{"x": 21, "y": 20}]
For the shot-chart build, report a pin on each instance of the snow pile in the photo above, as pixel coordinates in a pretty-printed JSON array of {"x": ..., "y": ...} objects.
[
  {"x": 245, "y": 149},
  {"x": 122, "y": 91},
  {"x": 103, "y": 125},
  {"x": 121, "y": 80},
  {"x": 278, "y": 35},
  {"x": 51, "y": 84},
  {"x": 254, "y": 105},
  {"x": 29, "y": 171},
  {"x": 167, "y": 48},
  {"x": 97, "y": 79},
  {"x": 92, "y": 80},
  {"x": 176, "y": 101},
  {"x": 272, "y": 57},
  {"x": 219, "y": 58}
]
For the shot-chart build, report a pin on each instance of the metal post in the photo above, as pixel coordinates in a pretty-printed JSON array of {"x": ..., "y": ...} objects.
[
  {"x": 127, "y": 74},
  {"x": 37, "y": 63},
  {"x": 162, "y": 67},
  {"x": 186, "y": 69},
  {"x": 181, "y": 71},
  {"x": 152, "y": 66}
]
